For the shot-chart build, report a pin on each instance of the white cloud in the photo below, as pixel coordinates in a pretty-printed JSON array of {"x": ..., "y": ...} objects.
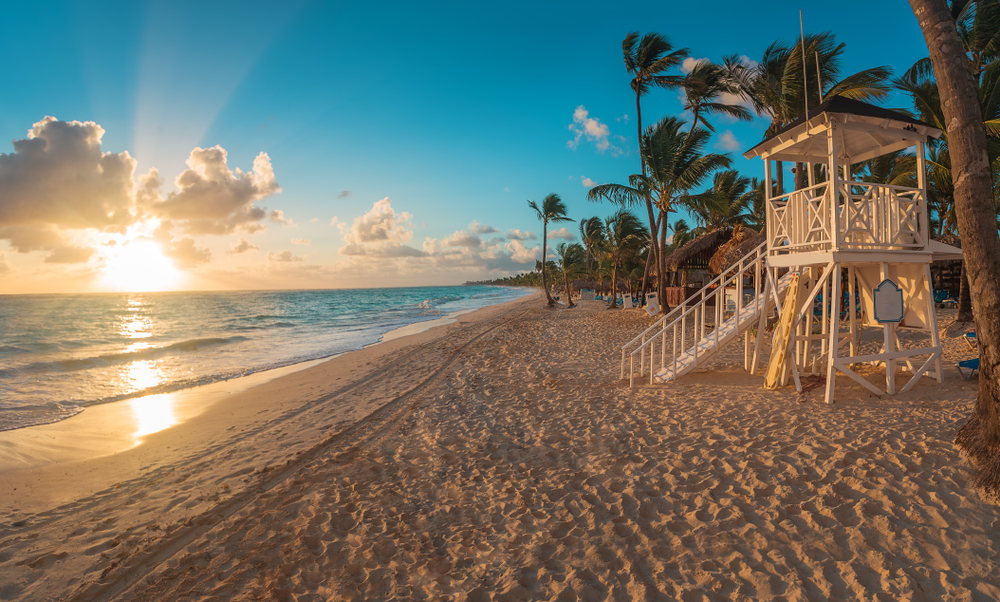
[
  {"x": 462, "y": 239},
  {"x": 592, "y": 129},
  {"x": 727, "y": 141},
  {"x": 5, "y": 267},
  {"x": 380, "y": 233},
  {"x": 383, "y": 251},
  {"x": 213, "y": 199},
  {"x": 284, "y": 256},
  {"x": 477, "y": 228},
  {"x": 562, "y": 233},
  {"x": 588, "y": 182},
  {"x": 690, "y": 63},
  {"x": 515, "y": 234},
  {"x": 315, "y": 220},
  {"x": 622, "y": 119},
  {"x": 301, "y": 241},
  {"x": 278, "y": 216},
  {"x": 333, "y": 222},
  {"x": 432, "y": 246},
  {"x": 506, "y": 189},
  {"x": 71, "y": 254},
  {"x": 242, "y": 246},
  {"x": 186, "y": 254},
  {"x": 522, "y": 254},
  {"x": 59, "y": 176}
]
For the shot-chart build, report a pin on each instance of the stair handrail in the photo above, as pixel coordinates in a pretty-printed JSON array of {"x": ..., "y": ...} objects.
[
  {"x": 653, "y": 326},
  {"x": 758, "y": 255}
]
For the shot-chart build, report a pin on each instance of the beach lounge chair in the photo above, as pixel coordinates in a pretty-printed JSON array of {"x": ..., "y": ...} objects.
[
  {"x": 971, "y": 365},
  {"x": 652, "y": 305},
  {"x": 943, "y": 299},
  {"x": 971, "y": 340},
  {"x": 626, "y": 302}
]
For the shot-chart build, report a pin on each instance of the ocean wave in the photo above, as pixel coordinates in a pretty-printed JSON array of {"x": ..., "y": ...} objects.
[
  {"x": 20, "y": 417},
  {"x": 430, "y": 303},
  {"x": 111, "y": 359}
]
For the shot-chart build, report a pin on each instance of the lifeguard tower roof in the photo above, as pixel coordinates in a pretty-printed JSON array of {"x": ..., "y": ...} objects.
[{"x": 866, "y": 131}]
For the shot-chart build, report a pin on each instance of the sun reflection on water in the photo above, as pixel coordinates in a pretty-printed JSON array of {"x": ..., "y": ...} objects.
[{"x": 153, "y": 414}]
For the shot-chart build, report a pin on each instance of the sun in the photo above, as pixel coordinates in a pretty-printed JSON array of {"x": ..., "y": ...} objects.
[{"x": 139, "y": 266}]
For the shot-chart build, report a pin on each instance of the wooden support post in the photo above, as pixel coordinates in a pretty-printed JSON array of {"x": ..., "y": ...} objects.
[
  {"x": 922, "y": 185},
  {"x": 852, "y": 304},
  {"x": 831, "y": 369},
  {"x": 935, "y": 337},
  {"x": 761, "y": 323},
  {"x": 888, "y": 339},
  {"x": 833, "y": 185}
]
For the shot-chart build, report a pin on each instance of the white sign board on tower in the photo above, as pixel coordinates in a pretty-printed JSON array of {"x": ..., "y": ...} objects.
[{"x": 888, "y": 302}]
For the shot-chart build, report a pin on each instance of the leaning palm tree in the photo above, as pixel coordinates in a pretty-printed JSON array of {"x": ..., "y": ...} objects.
[
  {"x": 648, "y": 59},
  {"x": 571, "y": 262},
  {"x": 624, "y": 237},
  {"x": 703, "y": 87},
  {"x": 979, "y": 437},
  {"x": 677, "y": 163},
  {"x": 552, "y": 210}
]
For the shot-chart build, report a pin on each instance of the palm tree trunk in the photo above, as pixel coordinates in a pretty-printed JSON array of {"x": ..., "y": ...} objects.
[
  {"x": 545, "y": 284},
  {"x": 569, "y": 291},
  {"x": 779, "y": 177},
  {"x": 964, "y": 301},
  {"x": 979, "y": 437},
  {"x": 614, "y": 287},
  {"x": 661, "y": 282},
  {"x": 653, "y": 250}
]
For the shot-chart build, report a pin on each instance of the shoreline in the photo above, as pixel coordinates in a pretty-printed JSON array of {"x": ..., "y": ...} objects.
[
  {"x": 120, "y": 438},
  {"x": 119, "y": 425}
]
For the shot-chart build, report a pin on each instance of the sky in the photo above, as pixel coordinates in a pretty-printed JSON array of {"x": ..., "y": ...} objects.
[{"x": 260, "y": 145}]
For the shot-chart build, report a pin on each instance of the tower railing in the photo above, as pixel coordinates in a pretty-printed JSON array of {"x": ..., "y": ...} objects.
[{"x": 865, "y": 215}]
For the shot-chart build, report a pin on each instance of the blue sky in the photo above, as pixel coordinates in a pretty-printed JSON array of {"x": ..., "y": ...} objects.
[{"x": 455, "y": 112}]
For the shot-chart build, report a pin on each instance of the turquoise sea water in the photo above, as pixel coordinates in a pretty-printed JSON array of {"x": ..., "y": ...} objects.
[{"x": 61, "y": 353}]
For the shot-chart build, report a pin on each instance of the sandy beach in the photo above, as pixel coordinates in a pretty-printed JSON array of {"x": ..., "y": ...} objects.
[{"x": 501, "y": 458}]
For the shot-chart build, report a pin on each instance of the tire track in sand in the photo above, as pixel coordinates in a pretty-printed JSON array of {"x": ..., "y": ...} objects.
[{"x": 374, "y": 428}]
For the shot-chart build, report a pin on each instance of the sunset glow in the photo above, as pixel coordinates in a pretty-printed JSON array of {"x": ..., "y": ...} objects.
[{"x": 139, "y": 266}]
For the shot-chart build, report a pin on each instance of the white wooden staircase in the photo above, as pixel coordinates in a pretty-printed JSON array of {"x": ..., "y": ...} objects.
[{"x": 695, "y": 331}]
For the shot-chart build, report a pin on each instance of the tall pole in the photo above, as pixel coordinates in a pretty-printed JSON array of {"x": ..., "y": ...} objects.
[{"x": 802, "y": 41}]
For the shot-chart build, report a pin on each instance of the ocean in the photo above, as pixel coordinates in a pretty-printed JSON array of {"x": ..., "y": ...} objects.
[{"x": 62, "y": 353}]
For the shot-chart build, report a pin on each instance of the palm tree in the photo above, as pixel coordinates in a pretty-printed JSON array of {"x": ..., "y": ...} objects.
[
  {"x": 571, "y": 260},
  {"x": 647, "y": 60},
  {"x": 776, "y": 90},
  {"x": 552, "y": 210},
  {"x": 676, "y": 165},
  {"x": 724, "y": 205},
  {"x": 975, "y": 210},
  {"x": 624, "y": 236},
  {"x": 702, "y": 88},
  {"x": 592, "y": 234}
]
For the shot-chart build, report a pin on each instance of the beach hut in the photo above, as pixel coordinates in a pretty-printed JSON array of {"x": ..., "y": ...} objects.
[{"x": 873, "y": 237}]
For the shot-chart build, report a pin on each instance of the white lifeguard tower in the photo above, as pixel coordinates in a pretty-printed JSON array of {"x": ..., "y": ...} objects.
[{"x": 877, "y": 235}]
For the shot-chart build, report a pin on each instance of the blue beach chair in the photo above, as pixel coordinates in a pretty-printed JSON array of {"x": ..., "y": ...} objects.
[{"x": 971, "y": 365}]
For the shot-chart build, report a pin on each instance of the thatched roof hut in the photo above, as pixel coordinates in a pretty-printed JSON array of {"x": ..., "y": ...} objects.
[
  {"x": 734, "y": 250},
  {"x": 697, "y": 253}
]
